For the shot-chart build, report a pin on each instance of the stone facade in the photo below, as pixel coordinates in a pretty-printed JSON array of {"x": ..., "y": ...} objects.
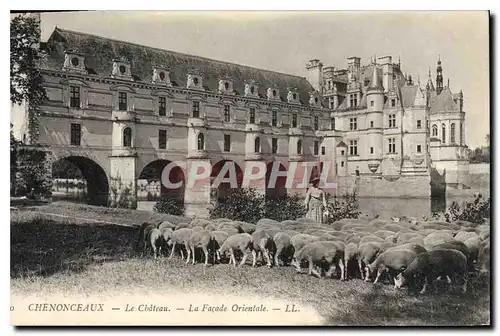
[{"x": 122, "y": 112}]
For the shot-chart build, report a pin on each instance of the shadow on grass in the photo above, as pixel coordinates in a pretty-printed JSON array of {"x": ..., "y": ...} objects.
[
  {"x": 42, "y": 247},
  {"x": 383, "y": 305}
]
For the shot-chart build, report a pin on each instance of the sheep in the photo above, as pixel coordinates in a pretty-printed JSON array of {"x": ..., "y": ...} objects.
[
  {"x": 166, "y": 233},
  {"x": 436, "y": 238},
  {"x": 319, "y": 252},
  {"x": 300, "y": 240},
  {"x": 166, "y": 224},
  {"x": 402, "y": 237},
  {"x": 439, "y": 262},
  {"x": 395, "y": 228},
  {"x": 202, "y": 239},
  {"x": 409, "y": 246},
  {"x": 455, "y": 245},
  {"x": 367, "y": 252},
  {"x": 464, "y": 235},
  {"x": 199, "y": 222},
  {"x": 154, "y": 239},
  {"x": 484, "y": 234},
  {"x": 263, "y": 244},
  {"x": 219, "y": 237},
  {"x": 284, "y": 247},
  {"x": 371, "y": 238},
  {"x": 180, "y": 237},
  {"x": 239, "y": 242},
  {"x": 247, "y": 227},
  {"x": 267, "y": 221},
  {"x": 354, "y": 239},
  {"x": 474, "y": 244},
  {"x": 484, "y": 258},
  {"x": 144, "y": 230},
  {"x": 182, "y": 226},
  {"x": 231, "y": 230},
  {"x": 383, "y": 233},
  {"x": 350, "y": 254},
  {"x": 392, "y": 261}
]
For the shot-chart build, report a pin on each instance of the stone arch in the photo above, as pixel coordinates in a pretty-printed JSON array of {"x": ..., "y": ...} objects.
[
  {"x": 127, "y": 137},
  {"x": 443, "y": 133},
  {"x": 452, "y": 133},
  {"x": 97, "y": 183},
  {"x": 434, "y": 130},
  {"x": 279, "y": 190},
  {"x": 224, "y": 189},
  {"x": 150, "y": 186}
]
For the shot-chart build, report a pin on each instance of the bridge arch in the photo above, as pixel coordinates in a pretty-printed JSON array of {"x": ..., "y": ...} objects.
[
  {"x": 150, "y": 186},
  {"x": 224, "y": 189},
  {"x": 78, "y": 167},
  {"x": 279, "y": 190}
]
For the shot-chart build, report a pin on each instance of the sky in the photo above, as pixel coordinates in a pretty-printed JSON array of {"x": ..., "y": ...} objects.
[{"x": 285, "y": 41}]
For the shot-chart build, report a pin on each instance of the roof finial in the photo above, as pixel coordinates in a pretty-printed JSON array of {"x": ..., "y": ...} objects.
[
  {"x": 448, "y": 82},
  {"x": 430, "y": 76},
  {"x": 418, "y": 80}
]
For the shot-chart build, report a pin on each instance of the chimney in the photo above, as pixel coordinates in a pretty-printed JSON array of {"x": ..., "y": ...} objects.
[
  {"x": 387, "y": 72},
  {"x": 353, "y": 66},
  {"x": 315, "y": 74}
]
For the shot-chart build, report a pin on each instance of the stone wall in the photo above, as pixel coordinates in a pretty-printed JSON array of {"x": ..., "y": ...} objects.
[{"x": 403, "y": 187}]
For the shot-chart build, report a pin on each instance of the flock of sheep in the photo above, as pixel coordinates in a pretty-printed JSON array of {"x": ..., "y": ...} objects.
[{"x": 408, "y": 250}]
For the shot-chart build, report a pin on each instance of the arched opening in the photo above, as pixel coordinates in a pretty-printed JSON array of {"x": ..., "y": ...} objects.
[
  {"x": 434, "y": 130},
  {"x": 201, "y": 141},
  {"x": 151, "y": 187},
  {"x": 257, "y": 145},
  {"x": 443, "y": 133},
  {"x": 127, "y": 137},
  {"x": 79, "y": 179},
  {"x": 225, "y": 189},
  {"x": 299, "y": 147},
  {"x": 452, "y": 133},
  {"x": 279, "y": 190}
]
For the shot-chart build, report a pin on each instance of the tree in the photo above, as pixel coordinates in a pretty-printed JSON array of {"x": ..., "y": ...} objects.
[{"x": 25, "y": 78}]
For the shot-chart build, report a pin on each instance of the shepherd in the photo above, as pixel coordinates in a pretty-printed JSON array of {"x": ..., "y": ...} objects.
[{"x": 315, "y": 202}]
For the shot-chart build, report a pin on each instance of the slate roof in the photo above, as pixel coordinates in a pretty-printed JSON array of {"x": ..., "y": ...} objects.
[
  {"x": 444, "y": 102},
  {"x": 100, "y": 51}
]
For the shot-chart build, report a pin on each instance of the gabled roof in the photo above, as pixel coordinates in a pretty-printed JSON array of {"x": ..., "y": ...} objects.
[
  {"x": 341, "y": 144},
  {"x": 100, "y": 51},
  {"x": 376, "y": 79},
  {"x": 444, "y": 102}
]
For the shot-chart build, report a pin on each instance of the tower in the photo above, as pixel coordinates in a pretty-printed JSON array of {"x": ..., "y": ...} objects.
[
  {"x": 315, "y": 74},
  {"x": 439, "y": 77}
]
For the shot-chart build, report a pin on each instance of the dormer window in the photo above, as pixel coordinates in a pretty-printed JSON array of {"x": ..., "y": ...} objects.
[
  {"x": 225, "y": 86},
  {"x": 194, "y": 81},
  {"x": 251, "y": 89},
  {"x": 293, "y": 96},
  {"x": 313, "y": 99},
  {"x": 161, "y": 76},
  {"x": 74, "y": 62},
  {"x": 273, "y": 94},
  {"x": 121, "y": 69}
]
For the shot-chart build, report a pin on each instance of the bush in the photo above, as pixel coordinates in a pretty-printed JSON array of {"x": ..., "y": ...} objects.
[
  {"x": 169, "y": 206},
  {"x": 286, "y": 208},
  {"x": 33, "y": 176},
  {"x": 242, "y": 205},
  {"x": 346, "y": 207},
  {"x": 474, "y": 212}
]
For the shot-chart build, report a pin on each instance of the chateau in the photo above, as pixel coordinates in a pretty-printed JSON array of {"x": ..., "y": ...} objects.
[{"x": 122, "y": 111}]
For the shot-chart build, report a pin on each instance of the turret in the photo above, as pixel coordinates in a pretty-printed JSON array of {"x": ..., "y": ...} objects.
[
  {"x": 387, "y": 72},
  {"x": 439, "y": 77},
  {"x": 375, "y": 92}
]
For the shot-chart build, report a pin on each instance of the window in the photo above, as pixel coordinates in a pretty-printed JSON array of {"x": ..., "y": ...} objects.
[
  {"x": 162, "y": 106},
  {"x": 257, "y": 145},
  {"x": 342, "y": 152},
  {"x": 353, "y": 147},
  {"x": 196, "y": 109},
  {"x": 332, "y": 124},
  {"x": 419, "y": 149},
  {"x": 294, "y": 120},
  {"x": 452, "y": 133},
  {"x": 353, "y": 124},
  {"x": 316, "y": 147},
  {"x": 419, "y": 124},
  {"x": 443, "y": 133},
  {"x": 76, "y": 134},
  {"x": 274, "y": 145},
  {"x": 392, "y": 120},
  {"x": 227, "y": 115},
  {"x": 201, "y": 141},
  {"x": 127, "y": 137},
  {"x": 342, "y": 163},
  {"x": 393, "y": 102},
  {"x": 434, "y": 130},
  {"x": 372, "y": 103},
  {"x": 252, "y": 115},
  {"x": 162, "y": 139},
  {"x": 227, "y": 142},
  {"x": 274, "y": 120},
  {"x": 371, "y": 150},
  {"x": 323, "y": 150},
  {"x": 371, "y": 124},
  {"x": 330, "y": 104},
  {"x": 195, "y": 81},
  {"x": 460, "y": 135},
  {"x": 122, "y": 101},
  {"x": 299, "y": 147},
  {"x": 392, "y": 145},
  {"x": 316, "y": 123},
  {"x": 353, "y": 98},
  {"x": 74, "y": 96}
]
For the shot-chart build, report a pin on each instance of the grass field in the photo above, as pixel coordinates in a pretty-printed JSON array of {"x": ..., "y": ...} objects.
[{"x": 50, "y": 254}]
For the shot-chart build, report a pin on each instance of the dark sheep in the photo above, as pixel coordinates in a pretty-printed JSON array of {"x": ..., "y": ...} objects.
[
  {"x": 434, "y": 264},
  {"x": 144, "y": 230}
]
